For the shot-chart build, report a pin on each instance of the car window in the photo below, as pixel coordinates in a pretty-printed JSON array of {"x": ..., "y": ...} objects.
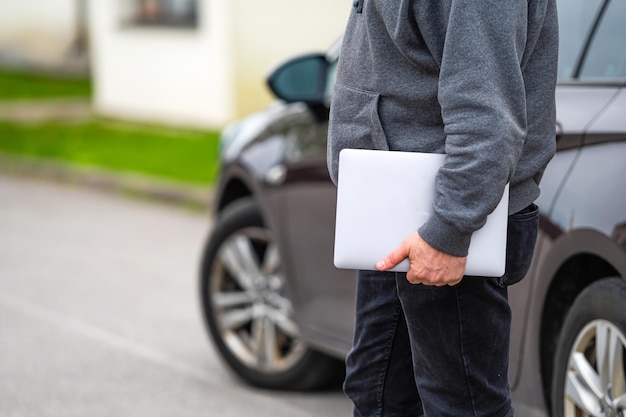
[
  {"x": 606, "y": 58},
  {"x": 333, "y": 59},
  {"x": 576, "y": 18},
  {"x": 332, "y": 74}
]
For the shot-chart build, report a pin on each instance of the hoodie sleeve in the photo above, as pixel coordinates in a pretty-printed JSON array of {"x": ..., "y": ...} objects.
[{"x": 482, "y": 96}]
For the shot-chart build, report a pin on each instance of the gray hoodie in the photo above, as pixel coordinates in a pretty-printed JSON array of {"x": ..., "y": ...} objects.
[{"x": 473, "y": 79}]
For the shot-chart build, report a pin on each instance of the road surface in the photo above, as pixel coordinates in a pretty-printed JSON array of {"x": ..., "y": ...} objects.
[{"x": 99, "y": 313}]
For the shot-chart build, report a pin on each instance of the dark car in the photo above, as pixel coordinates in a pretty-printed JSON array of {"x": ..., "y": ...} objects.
[{"x": 280, "y": 313}]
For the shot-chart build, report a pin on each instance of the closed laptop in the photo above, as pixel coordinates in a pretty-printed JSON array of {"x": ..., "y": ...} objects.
[{"x": 384, "y": 196}]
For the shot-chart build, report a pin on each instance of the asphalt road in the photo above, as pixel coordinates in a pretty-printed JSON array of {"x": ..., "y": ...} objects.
[{"x": 99, "y": 313}]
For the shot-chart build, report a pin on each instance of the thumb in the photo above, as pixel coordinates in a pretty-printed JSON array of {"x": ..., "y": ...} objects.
[{"x": 394, "y": 258}]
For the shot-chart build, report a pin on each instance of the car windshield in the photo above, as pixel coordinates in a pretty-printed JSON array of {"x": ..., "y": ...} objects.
[{"x": 591, "y": 40}]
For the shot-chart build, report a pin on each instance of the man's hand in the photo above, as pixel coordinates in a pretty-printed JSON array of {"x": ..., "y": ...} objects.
[{"x": 428, "y": 265}]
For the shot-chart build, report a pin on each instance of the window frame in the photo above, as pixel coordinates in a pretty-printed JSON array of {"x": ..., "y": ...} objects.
[{"x": 130, "y": 17}]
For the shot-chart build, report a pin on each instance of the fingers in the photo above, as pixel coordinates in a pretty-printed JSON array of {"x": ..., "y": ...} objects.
[
  {"x": 437, "y": 272},
  {"x": 428, "y": 265},
  {"x": 433, "y": 278},
  {"x": 394, "y": 258}
]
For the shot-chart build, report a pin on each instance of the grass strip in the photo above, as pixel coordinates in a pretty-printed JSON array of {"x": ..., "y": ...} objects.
[
  {"x": 176, "y": 154},
  {"x": 17, "y": 85}
]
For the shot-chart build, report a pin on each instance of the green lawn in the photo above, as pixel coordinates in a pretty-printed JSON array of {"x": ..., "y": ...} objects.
[
  {"x": 16, "y": 85},
  {"x": 177, "y": 154}
]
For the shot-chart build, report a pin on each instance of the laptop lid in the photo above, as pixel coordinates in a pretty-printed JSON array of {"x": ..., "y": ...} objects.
[{"x": 371, "y": 223}]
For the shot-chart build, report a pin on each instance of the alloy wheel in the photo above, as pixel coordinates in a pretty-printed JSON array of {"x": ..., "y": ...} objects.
[
  {"x": 595, "y": 384},
  {"x": 253, "y": 315}
]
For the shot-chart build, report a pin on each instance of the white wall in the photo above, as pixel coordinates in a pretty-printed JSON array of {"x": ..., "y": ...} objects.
[
  {"x": 210, "y": 75},
  {"x": 38, "y": 31},
  {"x": 178, "y": 76}
]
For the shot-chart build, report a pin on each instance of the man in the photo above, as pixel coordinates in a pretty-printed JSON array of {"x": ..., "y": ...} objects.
[{"x": 473, "y": 79}]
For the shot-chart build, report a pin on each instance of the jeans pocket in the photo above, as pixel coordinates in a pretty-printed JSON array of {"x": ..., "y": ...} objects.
[{"x": 521, "y": 239}]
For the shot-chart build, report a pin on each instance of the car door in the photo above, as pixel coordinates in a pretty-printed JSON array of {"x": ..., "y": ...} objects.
[
  {"x": 323, "y": 296},
  {"x": 590, "y": 61},
  {"x": 600, "y": 165}
]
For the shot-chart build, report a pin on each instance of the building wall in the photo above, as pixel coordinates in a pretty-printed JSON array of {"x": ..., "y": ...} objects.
[
  {"x": 271, "y": 31},
  {"x": 37, "y": 32},
  {"x": 209, "y": 75},
  {"x": 168, "y": 75}
]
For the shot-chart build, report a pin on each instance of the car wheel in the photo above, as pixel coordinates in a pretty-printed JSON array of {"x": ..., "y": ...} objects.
[
  {"x": 249, "y": 317},
  {"x": 589, "y": 376}
]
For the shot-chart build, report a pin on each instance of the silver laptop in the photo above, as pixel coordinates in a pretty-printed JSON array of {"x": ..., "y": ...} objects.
[{"x": 384, "y": 196}]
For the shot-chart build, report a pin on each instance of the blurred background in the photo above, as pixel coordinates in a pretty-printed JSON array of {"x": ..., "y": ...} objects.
[
  {"x": 193, "y": 65},
  {"x": 98, "y": 297}
]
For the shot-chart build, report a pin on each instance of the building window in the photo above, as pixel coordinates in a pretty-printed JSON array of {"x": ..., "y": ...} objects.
[{"x": 160, "y": 13}]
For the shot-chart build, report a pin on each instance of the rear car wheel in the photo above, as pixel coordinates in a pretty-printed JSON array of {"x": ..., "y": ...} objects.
[
  {"x": 590, "y": 364},
  {"x": 249, "y": 317}
]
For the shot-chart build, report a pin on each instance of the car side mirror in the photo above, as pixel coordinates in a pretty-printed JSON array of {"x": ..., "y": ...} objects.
[{"x": 301, "y": 79}]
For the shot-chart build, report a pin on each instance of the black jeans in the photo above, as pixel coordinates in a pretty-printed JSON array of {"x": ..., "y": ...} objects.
[{"x": 436, "y": 351}]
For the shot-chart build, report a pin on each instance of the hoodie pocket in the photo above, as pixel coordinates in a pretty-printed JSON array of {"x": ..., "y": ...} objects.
[{"x": 354, "y": 123}]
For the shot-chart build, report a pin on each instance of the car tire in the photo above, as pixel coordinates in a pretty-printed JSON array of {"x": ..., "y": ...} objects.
[
  {"x": 249, "y": 317},
  {"x": 589, "y": 370}
]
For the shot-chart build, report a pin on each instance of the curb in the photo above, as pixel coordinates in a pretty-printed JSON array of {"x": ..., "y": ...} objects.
[
  {"x": 197, "y": 198},
  {"x": 38, "y": 110}
]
